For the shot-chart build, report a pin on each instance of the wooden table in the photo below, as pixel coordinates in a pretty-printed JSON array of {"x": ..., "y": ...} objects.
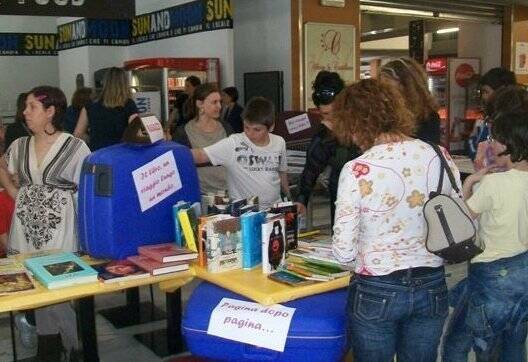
[
  {"x": 255, "y": 285},
  {"x": 85, "y": 294}
]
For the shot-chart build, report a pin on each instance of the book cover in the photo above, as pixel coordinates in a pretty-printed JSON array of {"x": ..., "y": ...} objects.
[
  {"x": 178, "y": 232},
  {"x": 14, "y": 277},
  {"x": 273, "y": 243},
  {"x": 202, "y": 240},
  {"x": 167, "y": 252},
  {"x": 119, "y": 270},
  {"x": 224, "y": 244},
  {"x": 155, "y": 267},
  {"x": 251, "y": 225},
  {"x": 285, "y": 277},
  {"x": 61, "y": 270},
  {"x": 189, "y": 225},
  {"x": 289, "y": 210}
]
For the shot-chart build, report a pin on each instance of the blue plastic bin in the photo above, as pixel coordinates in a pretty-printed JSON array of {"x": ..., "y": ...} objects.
[
  {"x": 317, "y": 329},
  {"x": 111, "y": 223}
]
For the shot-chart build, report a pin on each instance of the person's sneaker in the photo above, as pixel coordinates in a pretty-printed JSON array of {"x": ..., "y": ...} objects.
[{"x": 28, "y": 332}]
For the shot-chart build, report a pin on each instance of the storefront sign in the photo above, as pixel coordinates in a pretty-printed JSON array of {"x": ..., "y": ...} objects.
[
  {"x": 93, "y": 32},
  {"x": 156, "y": 180},
  {"x": 27, "y": 44},
  {"x": 148, "y": 102},
  {"x": 188, "y": 18},
  {"x": 247, "y": 322},
  {"x": 98, "y": 9}
]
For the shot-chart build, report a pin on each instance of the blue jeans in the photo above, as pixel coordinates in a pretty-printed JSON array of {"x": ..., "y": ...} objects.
[
  {"x": 399, "y": 313},
  {"x": 491, "y": 310}
]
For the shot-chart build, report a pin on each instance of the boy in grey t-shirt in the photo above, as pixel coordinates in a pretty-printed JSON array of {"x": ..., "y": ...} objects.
[{"x": 255, "y": 159}]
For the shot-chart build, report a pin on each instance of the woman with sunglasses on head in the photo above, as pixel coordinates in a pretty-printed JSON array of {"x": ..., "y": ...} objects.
[
  {"x": 411, "y": 80},
  {"x": 324, "y": 150}
]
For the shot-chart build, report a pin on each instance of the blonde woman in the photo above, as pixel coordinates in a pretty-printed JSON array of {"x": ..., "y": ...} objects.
[
  {"x": 411, "y": 80},
  {"x": 108, "y": 117}
]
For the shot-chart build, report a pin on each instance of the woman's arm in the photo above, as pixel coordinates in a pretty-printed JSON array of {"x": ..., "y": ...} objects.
[
  {"x": 81, "y": 130},
  {"x": 318, "y": 156},
  {"x": 6, "y": 181}
]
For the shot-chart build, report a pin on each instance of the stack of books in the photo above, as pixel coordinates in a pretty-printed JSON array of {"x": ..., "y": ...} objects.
[
  {"x": 313, "y": 263},
  {"x": 163, "y": 258},
  {"x": 59, "y": 270}
]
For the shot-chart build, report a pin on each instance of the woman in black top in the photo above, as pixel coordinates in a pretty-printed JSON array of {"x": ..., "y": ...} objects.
[
  {"x": 232, "y": 112},
  {"x": 19, "y": 128},
  {"x": 324, "y": 150},
  {"x": 410, "y": 78},
  {"x": 108, "y": 117}
]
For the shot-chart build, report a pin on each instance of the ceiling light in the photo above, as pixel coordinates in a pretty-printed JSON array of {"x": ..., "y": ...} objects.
[
  {"x": 388, "y": 10},
  {"x": 447, "y": 30}
]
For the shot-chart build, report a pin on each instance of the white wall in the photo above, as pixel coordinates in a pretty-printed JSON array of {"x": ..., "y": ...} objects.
[
  {"x": 21, "y": 73},
  {"x": 482, "y": 41},
  {"x": 262, "y": 37}
]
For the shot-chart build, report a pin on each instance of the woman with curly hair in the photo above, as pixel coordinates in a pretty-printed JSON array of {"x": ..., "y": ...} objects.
[
  {"x": 410, "y": 78},
  {"x": 398, "y": 299}
]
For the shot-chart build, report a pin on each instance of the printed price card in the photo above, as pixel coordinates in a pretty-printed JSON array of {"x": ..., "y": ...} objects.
[
  {"x": 253, "y": 323},
  {"x": 153, "y": 128},
  {"x": 156, "y": 180},
  {"x": 298, "y": 123}
]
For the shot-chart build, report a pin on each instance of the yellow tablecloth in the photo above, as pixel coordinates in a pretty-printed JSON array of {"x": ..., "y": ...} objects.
[
  {"x": 41, "y": 296},
  {"x": 255, "y": 285}
]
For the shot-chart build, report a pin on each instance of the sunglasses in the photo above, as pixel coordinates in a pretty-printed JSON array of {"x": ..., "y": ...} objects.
[{"x": 323, "y": 96}]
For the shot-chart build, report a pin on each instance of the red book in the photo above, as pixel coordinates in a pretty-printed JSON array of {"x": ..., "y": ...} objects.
[
  {"x": 155, "y": 267},
  {"x": 167, "y": 252}
]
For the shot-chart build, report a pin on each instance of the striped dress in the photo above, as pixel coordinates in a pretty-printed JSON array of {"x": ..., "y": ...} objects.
[{"x": 45, "y": 206}]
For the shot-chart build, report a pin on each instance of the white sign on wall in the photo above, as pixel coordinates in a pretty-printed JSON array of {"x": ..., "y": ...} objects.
[
  {"x": 253, "y": 323},
  {"x": 521, "y": 57},
  {"x": 148, "y": 102},
  {"x": 156, "y": 180},
  {"x": 298, "y": 123}
]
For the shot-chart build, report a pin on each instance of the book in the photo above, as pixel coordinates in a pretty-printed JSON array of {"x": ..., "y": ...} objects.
[
  {"x": 61, "y": 270},
  {"x": 251, "y": 226},
  {"x": 189, "y": 225},
  {"x": 166, "y": 252},
  {"x": 119, "y": 271},
  {"x": 285, "y": 277},
  {"x": 224, "y": 244},
  {"x": 14, "y": 278},
  {"x": 178, "y": 232},
  {"x": 155, "y": 267},
  {"x": 289, "y": 209},
  {"x": 273, "y": 243},
  {"x": 202, "y": 240}
]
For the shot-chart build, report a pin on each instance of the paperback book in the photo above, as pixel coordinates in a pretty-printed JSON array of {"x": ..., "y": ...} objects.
[
  {"x": 119, "y": 271},
  {"x": 273, "y": 243},
  {"x": 14, "y": 277},
  {"x": 289, "y": 210},
  {"x": 61, "y": 270},
  {"x": 167, "y": 252},
  {"x": 155, "y": 267},
  {"x": 286, "y": 277},
  {"x": 189, "y": 225},
  {"x": 251, "y": 231},
  {"x": 224, "y": 244},
  {"x": 178, "y": 232}
]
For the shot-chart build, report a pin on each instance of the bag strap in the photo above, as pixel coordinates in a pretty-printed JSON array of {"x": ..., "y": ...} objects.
[{"x": 444, "y": 166}]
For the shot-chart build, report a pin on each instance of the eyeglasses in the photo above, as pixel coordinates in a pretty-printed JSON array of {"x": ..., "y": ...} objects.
[{"x": 323, "y": 96}]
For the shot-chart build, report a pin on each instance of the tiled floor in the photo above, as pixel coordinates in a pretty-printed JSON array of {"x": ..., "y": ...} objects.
[{"x": 116, "y": 345}]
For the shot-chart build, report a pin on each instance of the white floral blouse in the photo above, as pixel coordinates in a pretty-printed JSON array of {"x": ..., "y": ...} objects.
[{"x": 379, "y": 226}]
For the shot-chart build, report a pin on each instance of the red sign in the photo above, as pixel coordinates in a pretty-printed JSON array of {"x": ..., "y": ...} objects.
[
  {"x": 436, "y": 65},
  {"x": 464, "y": 74}
]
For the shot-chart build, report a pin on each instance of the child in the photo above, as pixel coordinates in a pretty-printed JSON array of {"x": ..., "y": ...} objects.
[
  {"x": 494, "y": 304},
  {"x": 255, "y": 159}
]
